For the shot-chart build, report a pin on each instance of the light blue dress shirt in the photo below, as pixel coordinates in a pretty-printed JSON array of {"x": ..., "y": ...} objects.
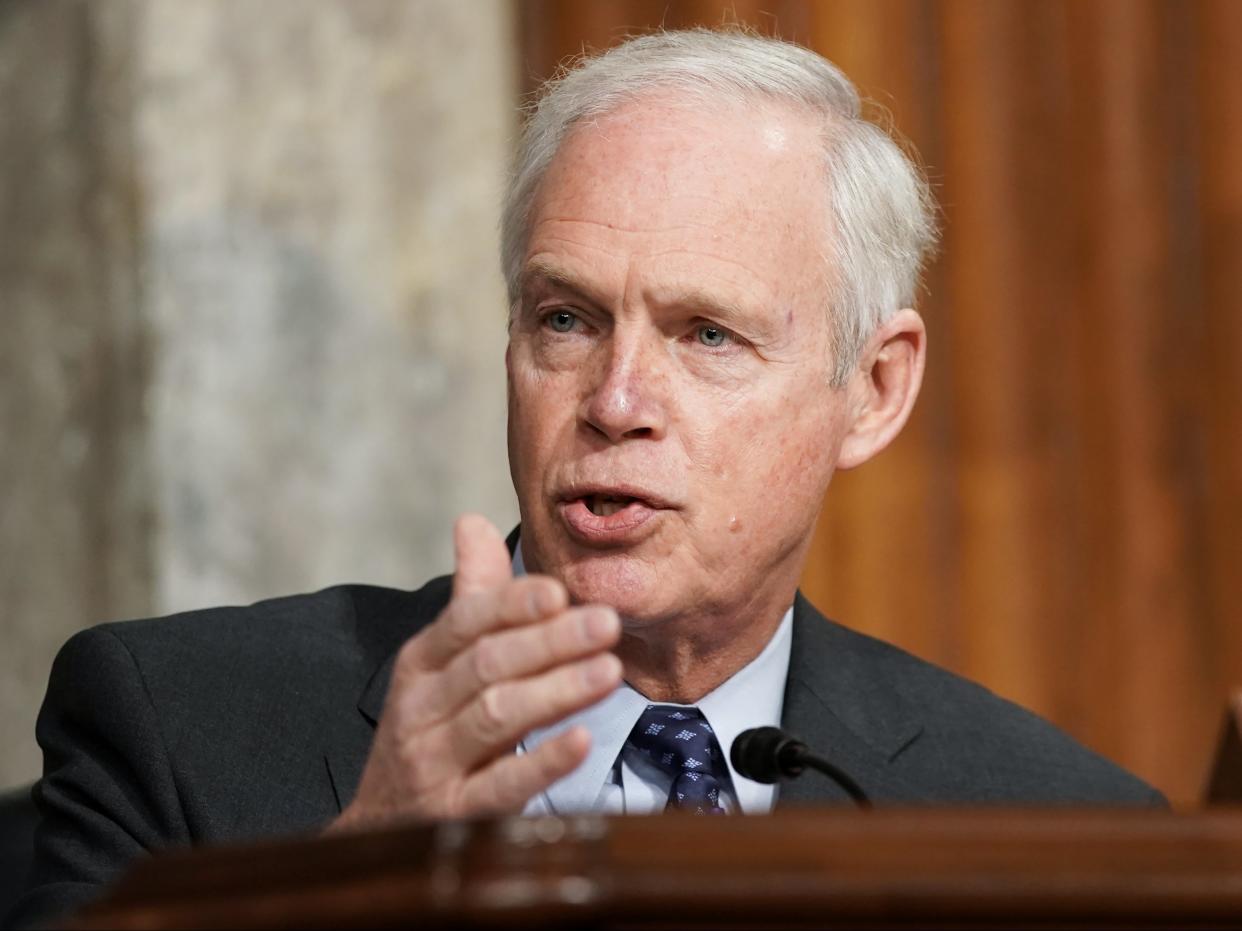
[{"x": 613, "y": 781}]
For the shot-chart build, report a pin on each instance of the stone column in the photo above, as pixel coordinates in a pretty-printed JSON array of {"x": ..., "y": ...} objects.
[{"x": 255, "y": 326}]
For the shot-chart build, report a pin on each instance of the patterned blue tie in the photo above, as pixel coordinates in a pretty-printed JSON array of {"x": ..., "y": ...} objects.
[{"x": 681, "y": 743}]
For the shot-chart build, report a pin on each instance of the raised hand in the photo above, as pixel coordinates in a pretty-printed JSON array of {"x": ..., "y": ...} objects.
[{"x": 505, "y": 656}]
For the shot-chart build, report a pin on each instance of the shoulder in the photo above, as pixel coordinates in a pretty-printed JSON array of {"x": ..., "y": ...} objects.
[
  {"x": 204, "y": 726},
  {"x": 254, "y": 668},
  {"x": 976, "y": 744},
  {"x": 226, "y": 713},
  {"x": 343, "y": 631},
  {"x": 253, "y": 671}
]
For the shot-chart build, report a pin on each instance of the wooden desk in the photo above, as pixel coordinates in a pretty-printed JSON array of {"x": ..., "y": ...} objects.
[{"x": 890, "y": 868}]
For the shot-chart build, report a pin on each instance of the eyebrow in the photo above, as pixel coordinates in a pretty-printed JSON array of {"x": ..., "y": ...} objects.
[
  {"x": 541, "y": 272},
  {"x": 706, "y": 304},
  {"x": 693, "y": 299}
]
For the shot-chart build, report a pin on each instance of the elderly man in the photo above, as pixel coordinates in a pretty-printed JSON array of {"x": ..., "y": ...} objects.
[{"x": 711, "y": 262}]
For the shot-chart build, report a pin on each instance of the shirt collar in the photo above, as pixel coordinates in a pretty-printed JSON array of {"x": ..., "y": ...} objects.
[{"x": 754, "y": 696}]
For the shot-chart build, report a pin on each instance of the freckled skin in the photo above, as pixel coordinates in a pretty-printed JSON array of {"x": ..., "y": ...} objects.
[{"x": 649, "y": 204}]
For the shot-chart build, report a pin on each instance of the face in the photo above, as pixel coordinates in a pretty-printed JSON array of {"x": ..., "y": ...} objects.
[{"x": 672, "y": 430}]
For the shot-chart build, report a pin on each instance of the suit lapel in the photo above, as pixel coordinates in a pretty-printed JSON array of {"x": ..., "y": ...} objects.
[
  {"x": 838, "y": 702},
  {"x": 384, "y": 620}
]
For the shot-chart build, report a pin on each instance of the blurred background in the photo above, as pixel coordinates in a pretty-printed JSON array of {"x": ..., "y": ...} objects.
[{"x": 252, "y": 327}]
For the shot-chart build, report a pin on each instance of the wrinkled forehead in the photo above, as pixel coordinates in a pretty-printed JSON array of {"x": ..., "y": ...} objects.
[{"x": 743, "y": 181}]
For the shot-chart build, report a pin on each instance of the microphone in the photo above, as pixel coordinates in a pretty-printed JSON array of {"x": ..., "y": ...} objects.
[{"x": 768, "y": 754}]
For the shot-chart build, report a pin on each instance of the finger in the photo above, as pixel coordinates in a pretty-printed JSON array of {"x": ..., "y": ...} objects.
[
  {"x": 510, "y": 782},
  {"x": 522, "y": 652},
  {"x": 504, "y": 713},
  {"x": 519, "y": 601},
  {"x": 480, "y": 556}
]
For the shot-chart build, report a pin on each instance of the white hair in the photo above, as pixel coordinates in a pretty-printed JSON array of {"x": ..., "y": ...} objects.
[{"x": 882, "y": 213}]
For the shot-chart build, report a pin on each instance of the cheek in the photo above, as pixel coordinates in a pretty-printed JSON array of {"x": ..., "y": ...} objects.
[
  {"x": 762, "y": 465},
  {"x": 808, "y": 452},
  {"x": 541, "y": 405},
  {"x": 524, "y": 420}
]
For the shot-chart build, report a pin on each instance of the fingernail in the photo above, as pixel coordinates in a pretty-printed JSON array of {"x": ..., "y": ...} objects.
[
  {"x": 600, "y": 624},
  {"x": 603, "y": 670}
]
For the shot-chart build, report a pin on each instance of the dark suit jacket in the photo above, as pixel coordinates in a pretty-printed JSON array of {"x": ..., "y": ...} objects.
[{"x": 232, "y": 723}]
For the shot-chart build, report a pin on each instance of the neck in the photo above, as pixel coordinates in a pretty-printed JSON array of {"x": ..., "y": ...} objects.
[{"x": 681, "y": 660}]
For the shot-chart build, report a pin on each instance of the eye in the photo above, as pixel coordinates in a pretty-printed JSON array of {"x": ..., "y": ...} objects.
[
  {"x": 562, "y": 321},
  {"x": 712, "y": 336}
]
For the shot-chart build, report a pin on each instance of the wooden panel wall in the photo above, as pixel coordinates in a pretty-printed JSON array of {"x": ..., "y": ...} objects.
[{"x": 1061, "y": 520}]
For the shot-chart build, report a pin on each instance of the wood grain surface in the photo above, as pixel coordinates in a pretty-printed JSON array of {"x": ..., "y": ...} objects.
[
  {"x": 1062, "y": 519},
  {"x": 882, "y": 869}
]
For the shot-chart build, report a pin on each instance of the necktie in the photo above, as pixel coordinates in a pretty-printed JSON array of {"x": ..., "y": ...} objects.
[{"x": 680, "y": 742}]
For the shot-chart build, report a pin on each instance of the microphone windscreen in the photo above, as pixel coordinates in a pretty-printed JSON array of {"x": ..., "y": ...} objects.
[{"x": 756, "y": 754}]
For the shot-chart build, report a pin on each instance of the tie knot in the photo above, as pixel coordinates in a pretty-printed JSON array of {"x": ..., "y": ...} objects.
[{"x": 679, "y": 741}]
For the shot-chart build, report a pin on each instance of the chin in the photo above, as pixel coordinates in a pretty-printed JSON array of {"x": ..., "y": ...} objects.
[{"x": 636, "y": 589}]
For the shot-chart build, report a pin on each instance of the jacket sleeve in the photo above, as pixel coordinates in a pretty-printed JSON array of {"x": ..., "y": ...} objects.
[{"x": 107, "y": 795}]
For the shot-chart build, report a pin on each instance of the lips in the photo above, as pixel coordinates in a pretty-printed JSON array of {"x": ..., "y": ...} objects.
[
  {"x": 607, "y": 505},
  {"x": 610, "y": 516}
]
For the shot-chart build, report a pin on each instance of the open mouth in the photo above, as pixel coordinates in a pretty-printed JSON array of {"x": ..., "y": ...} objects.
[
  {"x": 607, "y": 505},
  {"x": 609, "y": 517}
]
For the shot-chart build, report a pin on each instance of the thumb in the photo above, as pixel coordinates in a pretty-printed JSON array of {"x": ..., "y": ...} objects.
[{"x": 480, "y": 555}]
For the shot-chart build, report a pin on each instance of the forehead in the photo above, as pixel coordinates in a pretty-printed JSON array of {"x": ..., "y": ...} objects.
[{"x": 736, "y": 192}]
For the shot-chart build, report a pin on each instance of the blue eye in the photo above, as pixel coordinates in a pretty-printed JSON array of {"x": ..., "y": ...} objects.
[
  {"x": 562, "y": 321},
  {"x": 712, "y": 336}
]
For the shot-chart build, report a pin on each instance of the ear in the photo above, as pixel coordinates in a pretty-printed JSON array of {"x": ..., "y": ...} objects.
[{"x": 884, "y": 386}]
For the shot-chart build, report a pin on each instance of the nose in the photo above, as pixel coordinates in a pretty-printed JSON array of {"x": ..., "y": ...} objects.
[{"x": 628, "y": 398}]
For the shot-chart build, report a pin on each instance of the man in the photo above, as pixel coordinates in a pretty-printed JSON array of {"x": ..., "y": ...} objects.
[{"x": 712, "y": 264}]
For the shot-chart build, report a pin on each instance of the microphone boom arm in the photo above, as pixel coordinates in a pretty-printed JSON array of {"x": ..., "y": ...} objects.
[{"x": 768, "y": 754}]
